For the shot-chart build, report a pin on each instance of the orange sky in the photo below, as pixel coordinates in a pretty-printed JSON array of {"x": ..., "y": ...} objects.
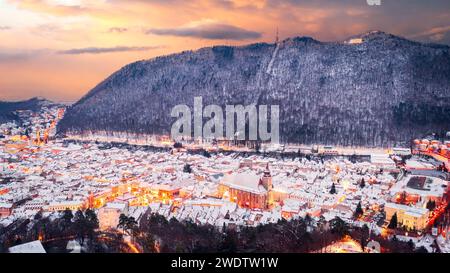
[{"x": 60, "y": 49}]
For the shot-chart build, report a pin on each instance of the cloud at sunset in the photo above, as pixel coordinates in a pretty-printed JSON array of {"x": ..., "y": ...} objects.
[
  {"x": 99, "y": 50},
  {"x": 208, "y": 30},
  {"x": 118, "y": 30}
]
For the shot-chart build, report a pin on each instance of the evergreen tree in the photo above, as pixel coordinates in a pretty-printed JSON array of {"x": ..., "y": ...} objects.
[
  {"x": 91, "y": 219},
  {"x": 431, "y": 205},
  {"x": 206, "y": 154},
  {"x": 38, "y": 215},
  {"x": 364, "y": 236},
  {"x": 230, "y": 242},
  {"x": 308, "y": 220},
  {"x": 333, "y": 189},
  {"x": 339, "y": 226},
  {"x": 421, "y": 249},
  {"x": 411, "y": 246},
  {"x": 67, "y": 217},
  {"x": 435, "y": 246},
  {"x": 258, "y": 147},
  {"x": 178, "y": 145},
  {"x": 322, "y": 223},
  {"x": 362, "y": 184},
  {"x": 92, "y": 224},
  {"x": 187, "y": 168},
  {"x": 359, "y": 211},
  {"x": 123, "y": 220},
  {"x": 149, "y": 243},
  {"x": 131, "y": 225},
  {"x": 393, "y": 222},
  {"x": 80, "y": 226}
]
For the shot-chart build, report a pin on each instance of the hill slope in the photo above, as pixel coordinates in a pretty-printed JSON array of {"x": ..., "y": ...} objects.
[
  {"x": 385, "y": 90},
  {"x": 8, "y": 109}
]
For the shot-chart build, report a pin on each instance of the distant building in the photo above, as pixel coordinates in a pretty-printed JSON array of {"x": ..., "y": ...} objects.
[
  {"x": 5, "y": 209},
  {"x": 31, "y": 247},
  {"x": 35, "y": 205},
  {"x": 246, "y": 163},
  {"x": 382, "y": 161},
  {"x": 401, "y": 151},
  {"x": 63, "y": 205},
  {"x": 248, "y": 190},
  {"x": 419, "y": 189},
  {"x": 356, "y": 41},
  {"x": 292, "y": 207},
  {"x": 328, "y": 150},
  {"x": 410, "y": 217},
  {"x": 166, "y": 191},
  {"x": 108, "y": 216}
]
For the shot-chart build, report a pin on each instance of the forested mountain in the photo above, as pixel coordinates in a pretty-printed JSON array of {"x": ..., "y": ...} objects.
[
  {"x": 375, "y": 89},
  {"x": 8, "y": 109}
]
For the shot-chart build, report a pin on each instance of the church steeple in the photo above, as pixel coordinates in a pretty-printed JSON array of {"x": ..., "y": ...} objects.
[{"x": 267, "y": 179}]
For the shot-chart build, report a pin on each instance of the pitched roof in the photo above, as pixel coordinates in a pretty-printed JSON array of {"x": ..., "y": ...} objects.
[
  {"x": 244, "y": 181},
  {"x": 31, "y": 247}
]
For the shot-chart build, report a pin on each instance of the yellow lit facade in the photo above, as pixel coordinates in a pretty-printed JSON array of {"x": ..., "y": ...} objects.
[{"x": 410, "y": 217}]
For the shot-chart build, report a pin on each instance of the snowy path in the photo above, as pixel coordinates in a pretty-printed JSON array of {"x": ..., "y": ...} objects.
[{"x": 272, "y": 60}]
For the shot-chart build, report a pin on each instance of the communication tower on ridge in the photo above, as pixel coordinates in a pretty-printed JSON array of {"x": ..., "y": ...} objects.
[{"x": 277, "y": 37}]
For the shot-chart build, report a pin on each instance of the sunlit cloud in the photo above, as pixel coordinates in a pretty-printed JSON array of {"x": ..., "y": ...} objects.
[
  {"x": 118, "y": 30},
  {"x": 435, "y": 34},
  {"x": 60, "y": 8},
  {"x": 8, "y": 55},
  {"x": 208, "y": 30},
  {"x": 100, "y": 50}
]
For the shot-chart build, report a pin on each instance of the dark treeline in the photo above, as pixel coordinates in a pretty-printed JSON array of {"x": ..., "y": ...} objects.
[
  {"x": 301, "y": 235},
  {"x": 154, "y": 233},
  {"x": 56, "y": 232}
]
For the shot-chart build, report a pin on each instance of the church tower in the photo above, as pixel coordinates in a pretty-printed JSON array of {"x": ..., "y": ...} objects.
[
  {"x": 266, "y": 180},
  {"x": 91, "y": 200}
]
